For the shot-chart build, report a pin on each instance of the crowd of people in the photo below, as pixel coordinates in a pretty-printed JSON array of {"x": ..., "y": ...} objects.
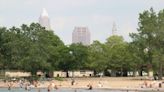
[
  {"x": 26, "y": 85},
  {"x": 55, "y": 85},
  {"x": 151, "y": 84}
]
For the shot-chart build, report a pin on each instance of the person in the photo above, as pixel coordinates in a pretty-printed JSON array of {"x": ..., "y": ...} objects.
[
  {"x": 90, "y": 86},
  {"x": 35, "y": 83},
  {"x": 48, "y": 90},
  {"x": 49, "y": 87},
  {"x": 9, "y": 86},
  {"x": 100, "y": 84},
  {"x": 21, "y": 83},
  {"x": 72, "y": 82},
  {"x": 56, "y": 87},
  {"x": 145, "y": 83},
  {"x": 27, "y": 86}
]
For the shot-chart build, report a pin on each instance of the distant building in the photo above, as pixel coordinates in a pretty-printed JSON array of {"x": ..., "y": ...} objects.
[
  {"x": 114, "y": 29},
  {"x": 81, "y": 73},
  {"x": 17, "y": 74},
  {"x": 44, "y": 20},
  {"x": 59, "y": 74},
  {"x": 81, "y": 35}
]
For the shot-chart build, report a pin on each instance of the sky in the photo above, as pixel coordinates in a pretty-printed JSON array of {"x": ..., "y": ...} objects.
[{"x": 97, "y": 15}]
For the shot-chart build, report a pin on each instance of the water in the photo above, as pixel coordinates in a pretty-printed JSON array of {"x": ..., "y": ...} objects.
[{"x": 59, "y": 90}]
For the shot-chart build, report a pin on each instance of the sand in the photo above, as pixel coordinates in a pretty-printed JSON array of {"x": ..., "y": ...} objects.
[{"x": 103, "y": 82}]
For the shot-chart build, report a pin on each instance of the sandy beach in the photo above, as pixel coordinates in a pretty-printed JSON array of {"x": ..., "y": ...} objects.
[{"x": 104, "y": 82}]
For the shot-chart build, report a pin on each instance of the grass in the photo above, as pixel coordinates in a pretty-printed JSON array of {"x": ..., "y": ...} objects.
[{"x": 59, "y": 79}]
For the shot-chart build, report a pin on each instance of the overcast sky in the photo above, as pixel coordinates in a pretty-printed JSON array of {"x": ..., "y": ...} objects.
[{"x": 97, "y": 15}]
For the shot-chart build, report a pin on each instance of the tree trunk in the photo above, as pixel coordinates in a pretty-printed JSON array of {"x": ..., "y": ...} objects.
[
  {"x": 134, "y": 73},
  {"x": 122, "y": 72},
  {"x": 160, "y": 73},
  {"x": 140, "y": 72}
]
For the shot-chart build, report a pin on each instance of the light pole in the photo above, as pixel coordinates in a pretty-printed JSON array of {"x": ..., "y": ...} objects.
[
  {"x": 71, "y": 53},
  {"x": 73, "y": 81},
  {"x": 149, "y": 65}
]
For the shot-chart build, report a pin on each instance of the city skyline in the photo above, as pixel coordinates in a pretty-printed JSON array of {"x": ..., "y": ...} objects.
[
  {"x": 98, "y": 15},
  {"x": 44, "y": 20},
  {"x": 81, "y": 35}
]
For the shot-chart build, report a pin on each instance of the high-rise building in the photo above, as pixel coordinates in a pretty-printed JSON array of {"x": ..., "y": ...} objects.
[
  {"x": 114, "y": 29},
  {"x": 81, "y": 35},
  {"x": 44, "y": 20}
]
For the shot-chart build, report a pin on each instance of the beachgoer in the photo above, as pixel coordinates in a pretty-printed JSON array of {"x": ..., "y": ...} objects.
[
  {"x": 56, "y": 87},
  {"x": 100, "y": 84},
  {"x": 90, "y": 86},
  {"x": 160, "y": 85},
  {"x": 48, "y": 90},
  {"x": 10, "y": 84},
  {"x": 35, "y": 83},
  {"x": 27, "y": 86},
  {"x": 20, "y": 83},
  {"x": 49, "y": 87},
  {"x": 146, "y": 84},
  {"x": 72, "y": 82}
]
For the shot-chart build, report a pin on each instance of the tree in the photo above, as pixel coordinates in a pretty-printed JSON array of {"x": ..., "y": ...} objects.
[
  {"x": 135, "y": 58},
  {"x": 115, "y": 49},
  {"x": 3, "y": 61},
  {"x": 97, "y": 60},
  {"x": 150, "y": 38},
  {"x": 29, "y": 48},
  {"x": 79, "y": 57}
]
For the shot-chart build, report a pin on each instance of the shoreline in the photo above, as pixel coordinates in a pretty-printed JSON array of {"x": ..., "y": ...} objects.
[{"x": 113, "y": 89}]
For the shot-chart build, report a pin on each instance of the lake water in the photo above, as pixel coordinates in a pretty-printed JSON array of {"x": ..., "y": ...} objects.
[{"x": 59, "y": 90}]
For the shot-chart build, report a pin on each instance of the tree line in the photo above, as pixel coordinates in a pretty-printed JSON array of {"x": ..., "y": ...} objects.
[{"x": 32, "y": 48}]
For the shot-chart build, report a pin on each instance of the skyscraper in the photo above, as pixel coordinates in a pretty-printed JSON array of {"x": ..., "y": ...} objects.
[
  {"x": 44, "y": 20},
  {"x": 81, "y": 35},
  {"x": 114, "y": 29}
]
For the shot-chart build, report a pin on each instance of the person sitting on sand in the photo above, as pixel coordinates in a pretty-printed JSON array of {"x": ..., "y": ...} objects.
[{"x": 90, "y": 86}]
